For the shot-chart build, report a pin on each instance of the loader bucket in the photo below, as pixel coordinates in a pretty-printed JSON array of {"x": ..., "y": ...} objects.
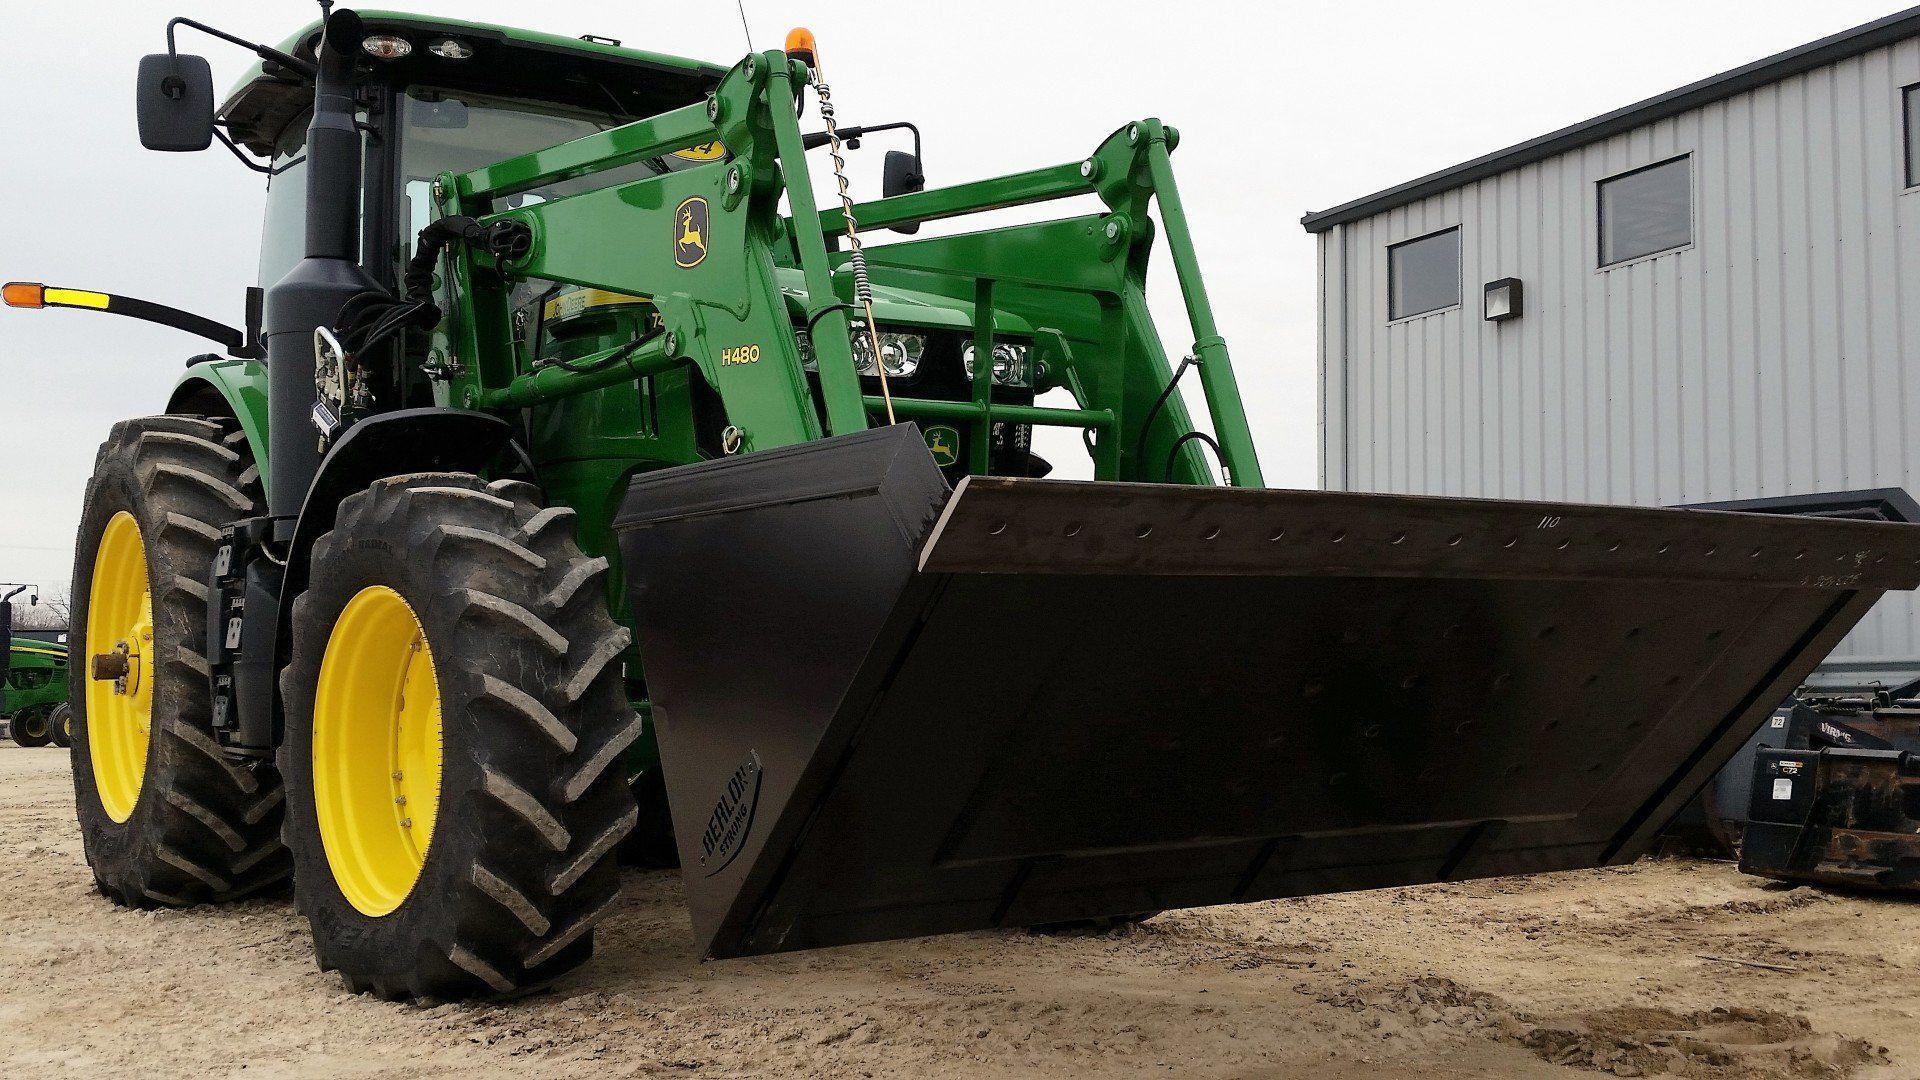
[{"x": 886, "y": 709}]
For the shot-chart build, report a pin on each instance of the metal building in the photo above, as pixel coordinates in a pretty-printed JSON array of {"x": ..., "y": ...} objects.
[{"x": 1712, "y": 294}]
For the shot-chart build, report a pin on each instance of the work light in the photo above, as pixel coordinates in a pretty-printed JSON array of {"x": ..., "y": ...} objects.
[
  {"x": 1009, "y": 363},
  {"x": 387, "y": 47}
]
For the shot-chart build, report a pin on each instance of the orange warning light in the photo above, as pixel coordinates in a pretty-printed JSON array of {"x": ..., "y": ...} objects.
[
  {"x": 25, "y": 294},
  {"x": 800, "y": 44}
]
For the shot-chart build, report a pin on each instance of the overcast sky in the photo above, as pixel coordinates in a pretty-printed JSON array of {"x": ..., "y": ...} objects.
[{"x": 1283, "y": 108}]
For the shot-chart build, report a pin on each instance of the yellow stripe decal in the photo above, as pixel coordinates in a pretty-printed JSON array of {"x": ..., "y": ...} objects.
[
  {"x": 569, "y": 304},
  {"x": 77, "y": 298},
  {"x": 712, "y": 151}
]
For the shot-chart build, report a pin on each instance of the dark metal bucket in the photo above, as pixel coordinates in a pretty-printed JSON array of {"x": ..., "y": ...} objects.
[{"x": 886, "y": 710}]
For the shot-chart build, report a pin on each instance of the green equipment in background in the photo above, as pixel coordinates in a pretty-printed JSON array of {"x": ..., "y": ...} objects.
[{"x": 33, "y": 680}]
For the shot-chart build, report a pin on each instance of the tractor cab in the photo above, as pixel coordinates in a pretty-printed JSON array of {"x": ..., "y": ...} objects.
[{"x": 441, "y": 96}]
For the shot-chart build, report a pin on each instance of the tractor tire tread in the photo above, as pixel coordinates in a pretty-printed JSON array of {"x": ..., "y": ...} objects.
[
  {"x": 200, "y": 831},
  {"x": 536, "y": 711}
]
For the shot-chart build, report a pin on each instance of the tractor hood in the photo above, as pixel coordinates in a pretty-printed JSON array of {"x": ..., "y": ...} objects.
[{"x": 894, "y": 306}]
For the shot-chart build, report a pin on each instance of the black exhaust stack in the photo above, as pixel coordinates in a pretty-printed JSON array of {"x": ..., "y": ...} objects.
[
  {"x": 312, "y": 293},
  {"x": 244, "y": 586}
]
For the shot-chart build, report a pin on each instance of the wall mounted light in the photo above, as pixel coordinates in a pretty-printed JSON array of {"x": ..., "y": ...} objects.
[{"x": 1502, "y": 301}]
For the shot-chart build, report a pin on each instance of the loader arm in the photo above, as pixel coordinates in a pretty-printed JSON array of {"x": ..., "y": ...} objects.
[{"x": 1081, "y": 279}]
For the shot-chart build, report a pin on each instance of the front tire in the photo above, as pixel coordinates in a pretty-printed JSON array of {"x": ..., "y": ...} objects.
[
  {"x": 31, "y": 730},
  {"x": 165, "y": 815},
  {"x": 463, "y": 848},
  {"x": 60, "y": 725}
]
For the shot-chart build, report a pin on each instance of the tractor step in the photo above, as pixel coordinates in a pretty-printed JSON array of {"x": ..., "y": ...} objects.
[{"x": 886, "y": 709}]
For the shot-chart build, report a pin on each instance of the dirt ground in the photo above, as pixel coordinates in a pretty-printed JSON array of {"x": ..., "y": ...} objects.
[{"x": 1629, "y": 972}]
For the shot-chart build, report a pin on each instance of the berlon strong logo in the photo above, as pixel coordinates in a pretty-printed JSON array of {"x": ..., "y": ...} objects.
[{"x": 732, "y": 817}]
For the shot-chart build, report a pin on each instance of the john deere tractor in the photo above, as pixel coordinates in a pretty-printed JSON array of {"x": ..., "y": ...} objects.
[
  {"x": 33, "y": 679},
  {"x": 576, "y": 477}
]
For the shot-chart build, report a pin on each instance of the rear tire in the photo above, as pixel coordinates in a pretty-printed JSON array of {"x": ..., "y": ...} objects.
[
  {"x": 60, "y": 725},
  {"x": 530, "y": 801},
  {"x": 190, "y": 824},
  {"x": 31, "y": 730}
]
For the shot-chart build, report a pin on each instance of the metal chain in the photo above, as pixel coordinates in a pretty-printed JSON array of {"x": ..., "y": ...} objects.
[{"x": 857, "y": 257}]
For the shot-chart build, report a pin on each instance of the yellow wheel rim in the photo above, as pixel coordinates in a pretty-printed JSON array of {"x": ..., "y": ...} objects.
[
  {"x": 376, "y": 750},
  {"x": 120, "y": 711}
]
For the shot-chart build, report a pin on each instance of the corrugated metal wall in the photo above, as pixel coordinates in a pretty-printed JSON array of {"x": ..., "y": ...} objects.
[{"x": 1779, "y": 354}]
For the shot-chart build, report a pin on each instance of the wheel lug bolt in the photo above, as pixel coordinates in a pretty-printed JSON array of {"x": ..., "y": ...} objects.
[{"x": 406, "y": 823}]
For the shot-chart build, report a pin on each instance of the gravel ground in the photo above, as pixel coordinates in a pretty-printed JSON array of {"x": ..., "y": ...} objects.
[{"x": 1628, "y": 972}]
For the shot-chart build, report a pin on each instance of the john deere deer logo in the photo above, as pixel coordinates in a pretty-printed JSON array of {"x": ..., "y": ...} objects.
[
  {"x": 690, "y": 232},
  {"x": 943, "y": 443}
]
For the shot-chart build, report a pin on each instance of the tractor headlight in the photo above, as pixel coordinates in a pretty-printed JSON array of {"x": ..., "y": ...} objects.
[
  {"x": 1011, "y": 366},
  {"x": 902, "y": 353},
  {"x": 863, "y": 351}
]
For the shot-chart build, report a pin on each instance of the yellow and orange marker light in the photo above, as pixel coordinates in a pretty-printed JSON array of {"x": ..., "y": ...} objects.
[
  {"x": 800, "y": 45},
  {"x": 32, "y": 294}
]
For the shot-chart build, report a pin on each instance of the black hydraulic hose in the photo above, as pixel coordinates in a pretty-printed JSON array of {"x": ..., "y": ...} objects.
[
  {"x": 616, "y": 356},
  {"x": 373, "y": 318},
  {"x": 1194, "y": 436},
  {"x": 1173, "y": 455},
  {"x": 1140, "y": 446}
]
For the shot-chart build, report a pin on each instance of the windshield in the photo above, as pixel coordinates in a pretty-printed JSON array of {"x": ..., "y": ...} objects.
[{"x": 457, "y": 131}]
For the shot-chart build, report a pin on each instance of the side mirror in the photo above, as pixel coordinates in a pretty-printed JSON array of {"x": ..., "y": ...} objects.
[
  {"x": 902, "y": 176},
  {"x": 175, "y": 99}
]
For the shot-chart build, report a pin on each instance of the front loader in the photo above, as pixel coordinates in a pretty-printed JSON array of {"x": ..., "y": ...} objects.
[{"x": 580, "y": 479}]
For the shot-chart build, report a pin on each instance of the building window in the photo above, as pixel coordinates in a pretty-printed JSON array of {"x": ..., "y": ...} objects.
[
  {"x": 1423, "y": 275},
  {"x": 1646, "y": 211},
  {"x": 1912, "y": 96}
]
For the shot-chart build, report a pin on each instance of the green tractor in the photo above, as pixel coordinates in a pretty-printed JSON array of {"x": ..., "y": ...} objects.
[
  {"x": 33, "y": 680},
  {"x": 577, "y": 478}
]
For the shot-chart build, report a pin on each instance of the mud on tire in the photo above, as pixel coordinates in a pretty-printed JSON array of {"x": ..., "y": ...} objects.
[
  {"x": 204, "y": 828},
  {"x": 533, "y": 802}
]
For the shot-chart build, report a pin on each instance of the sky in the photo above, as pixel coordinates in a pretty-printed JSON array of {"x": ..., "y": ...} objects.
[{"x": 1283, "y": 108}]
